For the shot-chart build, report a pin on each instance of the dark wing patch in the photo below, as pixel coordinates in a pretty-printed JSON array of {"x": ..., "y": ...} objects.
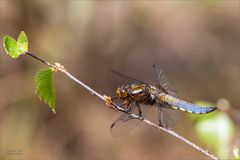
[{"x": 163, "y": 82}]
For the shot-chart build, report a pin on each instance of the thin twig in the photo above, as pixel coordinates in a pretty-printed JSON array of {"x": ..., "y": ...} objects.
[
  {"x": 108, "y": 101},
  {"x": 181, "y": 138}
]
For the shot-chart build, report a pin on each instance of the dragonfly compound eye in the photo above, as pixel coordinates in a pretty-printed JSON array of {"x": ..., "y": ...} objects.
[{"x": 121, "y": 93}]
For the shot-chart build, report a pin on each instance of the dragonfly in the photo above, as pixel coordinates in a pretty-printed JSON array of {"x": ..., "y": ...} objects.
[{"x": 163, "y": 96}]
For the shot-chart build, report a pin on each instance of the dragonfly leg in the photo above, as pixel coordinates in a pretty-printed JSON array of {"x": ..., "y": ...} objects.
[
  {"x": 160, "y": 124},
  {"x": 139, "y": 110},
  {"x": 115, "y": 98},
  {"x": 126, "y": 105}
]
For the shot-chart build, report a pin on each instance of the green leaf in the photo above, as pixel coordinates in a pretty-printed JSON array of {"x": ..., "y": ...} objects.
[
  {"x": 45, "y": 88},
  {"x": 15, "y": 48},
  {"x": 10, "y": 46},
  {"x": 22, "y": 42}
]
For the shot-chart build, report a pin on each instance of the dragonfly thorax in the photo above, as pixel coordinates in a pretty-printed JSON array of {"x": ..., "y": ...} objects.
[{"x": 136, "y": 92}]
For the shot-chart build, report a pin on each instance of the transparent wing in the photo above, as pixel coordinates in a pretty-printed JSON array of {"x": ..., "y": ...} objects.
[
  {"x": 127, "y": 77},
  {"x": 167, "y": 117},
  {"x": 124, "y": 124},
  {"x": 163, "y": 82}
]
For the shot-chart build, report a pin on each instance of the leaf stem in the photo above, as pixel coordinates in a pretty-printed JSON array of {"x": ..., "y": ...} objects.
[
  {"x": 118, "y": 108},
  {"x": 40, "y": 59}
]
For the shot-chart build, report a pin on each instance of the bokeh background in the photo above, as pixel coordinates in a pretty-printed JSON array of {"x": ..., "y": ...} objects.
[{"x": 195, "y": 42}]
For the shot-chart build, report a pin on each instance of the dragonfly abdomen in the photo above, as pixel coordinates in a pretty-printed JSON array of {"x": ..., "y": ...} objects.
[{"x": 178, "y": 104}]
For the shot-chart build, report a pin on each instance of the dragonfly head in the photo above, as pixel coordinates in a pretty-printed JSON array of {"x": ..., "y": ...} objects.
[{"x": 123, "y": 91}]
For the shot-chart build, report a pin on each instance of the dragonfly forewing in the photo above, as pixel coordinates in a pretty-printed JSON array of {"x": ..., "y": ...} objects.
[
  {"x": 167, "y": 118},
  {"x": 163, "y": 82}
]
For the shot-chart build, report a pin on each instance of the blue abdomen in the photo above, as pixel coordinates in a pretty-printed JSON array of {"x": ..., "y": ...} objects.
[
  {"x": 178, "y": 104},
  {"x": 195, "y": 109}
]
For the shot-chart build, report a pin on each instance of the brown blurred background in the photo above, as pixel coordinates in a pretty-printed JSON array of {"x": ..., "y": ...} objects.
[{"x": 195, "y": 43}]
